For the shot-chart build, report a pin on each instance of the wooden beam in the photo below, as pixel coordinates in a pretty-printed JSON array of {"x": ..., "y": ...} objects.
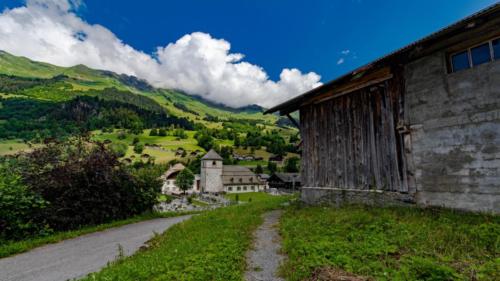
[{"x": 293, "y": 121}]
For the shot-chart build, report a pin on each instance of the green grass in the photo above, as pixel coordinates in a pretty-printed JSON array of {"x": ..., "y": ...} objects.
[
  {"x": 9, "y": 248},
  {"x": 255, "y": 196},
  {"x": 210, "y": 246},
  {"x": 8, "y": 147},
  {"x": 392, "y": 243}
]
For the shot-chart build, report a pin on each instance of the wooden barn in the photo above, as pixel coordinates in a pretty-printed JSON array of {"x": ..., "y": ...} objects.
[{"x": 420, "y": 125}]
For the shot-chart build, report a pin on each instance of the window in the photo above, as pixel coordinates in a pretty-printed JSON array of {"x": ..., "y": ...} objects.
[
  {"x": 480, "y": 54},
  {"x": 245, "y": 188},
  {"x": 241, "y": 180},
  {"x": 496, "y": 48},
  {"x": 460, "y": 61},
  {"x": 238, "y": 188},
  {"x": 230, "y": 188},
  {"x": 214, "y": 163},
  {"x": 252, "y": 187},
  {"x": 476, "y": 55}
]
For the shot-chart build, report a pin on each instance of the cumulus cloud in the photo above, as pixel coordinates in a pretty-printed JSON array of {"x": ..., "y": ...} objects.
[
  {"x": 197, "y": 63},
  {"x": 340, "y": 61}
]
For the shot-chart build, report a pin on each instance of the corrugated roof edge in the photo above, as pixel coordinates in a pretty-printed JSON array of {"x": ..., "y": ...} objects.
[{"x": 450, "y": 28}]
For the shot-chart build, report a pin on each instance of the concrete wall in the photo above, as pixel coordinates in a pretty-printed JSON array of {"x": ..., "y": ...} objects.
[
  {"x": 211, "y": 176},
  {"x": 455, "y": 133}
]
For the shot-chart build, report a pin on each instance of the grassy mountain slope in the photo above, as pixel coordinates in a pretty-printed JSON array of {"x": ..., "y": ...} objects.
[{"x": 83, "y": 79}]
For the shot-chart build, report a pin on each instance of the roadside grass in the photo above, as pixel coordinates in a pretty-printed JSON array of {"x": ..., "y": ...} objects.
[
  {"x": 209, "y": 246},
  {"x": 391, "y": 243},
  {"x": 9, "y": 247},
  {"x": 245, "y": 197}
]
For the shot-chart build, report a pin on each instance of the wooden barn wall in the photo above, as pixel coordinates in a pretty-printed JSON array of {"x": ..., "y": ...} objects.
[{"x": 352, "y": 141}]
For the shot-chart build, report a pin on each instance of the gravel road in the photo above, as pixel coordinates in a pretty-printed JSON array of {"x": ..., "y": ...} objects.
[
  {"x": 75, "y": 258},
  {"x": 264, "y": 259}
]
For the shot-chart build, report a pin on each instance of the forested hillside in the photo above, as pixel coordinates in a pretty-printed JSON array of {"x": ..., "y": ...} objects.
[{"x": 40, "y": 101}]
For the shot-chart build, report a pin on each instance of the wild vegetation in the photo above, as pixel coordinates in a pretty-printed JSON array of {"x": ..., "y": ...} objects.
[
  {"x": 209, "y": 246},
  {"x": 391, "y": 243},
  {"x": 68, "y": 185}
]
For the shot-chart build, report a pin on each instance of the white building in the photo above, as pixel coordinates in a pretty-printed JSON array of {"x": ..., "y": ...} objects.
[
  {"x": 216, "y": 178},
  {"x": 169, "y": 186}
]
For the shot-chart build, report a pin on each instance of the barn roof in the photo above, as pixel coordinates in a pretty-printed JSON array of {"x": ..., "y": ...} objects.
[
  {"x": 412, "y": 51},
  {"x": 288, "y": 177}
]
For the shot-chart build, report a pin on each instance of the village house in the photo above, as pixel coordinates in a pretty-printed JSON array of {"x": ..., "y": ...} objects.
[
  {"x": 169, "y": 186},
  {"x": 285, "y": 181},
  {"x": 420, "y": 125},
  {"x": 215, "y": 178}
]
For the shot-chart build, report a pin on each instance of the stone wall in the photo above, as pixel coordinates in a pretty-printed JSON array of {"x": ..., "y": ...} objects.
[
  {"x": 338, "y": 196},
  {"x": 455, "y": 133}
]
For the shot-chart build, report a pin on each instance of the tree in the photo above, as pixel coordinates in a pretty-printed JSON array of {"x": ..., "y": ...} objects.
[
  {"x": 162, "y": 132},
  {"x": 135, "y": 141},
  {"x": 292, "y": 165},
  {"x": 206, "y": 141},
  {"x": 272, "y": 167},
  {"x": 138, "y": 148},
  {"x": 258, "y": 169},
  {"x": 184, "y": 180},
  {"x": 119, "y": 148},
  {"x": 153, "y": 132}
]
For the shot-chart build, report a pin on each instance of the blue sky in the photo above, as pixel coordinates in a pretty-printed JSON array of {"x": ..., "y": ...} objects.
[{"x": 321, "y": 36}]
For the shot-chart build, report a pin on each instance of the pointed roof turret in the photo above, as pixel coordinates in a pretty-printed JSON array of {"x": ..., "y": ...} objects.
[{"x": 211, "y": 155}]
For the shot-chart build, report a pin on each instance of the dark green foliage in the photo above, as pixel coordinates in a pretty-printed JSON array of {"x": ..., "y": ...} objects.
[
  {"x": 162, "y": 132},
  {"x": 180, "y": 133},
  {"x": 259, "y": 169},
  {"x": 138, "y": 148},
  {"x": 272, "y": 167},
  {"x": 119, "y": 148},
  {"x": 184, "y": 179},
  {"x": 135, "y": 140},
  {"x": 292, "y": 165},
  {"x": 20, "y": 207},
  {"x": 205, "y": 141},
  {"x": 85, "y": 184},
  {"x": 29, "y": 118},
  {"x": 184, "y": 108},
  {"x": 153, "y": 132}
]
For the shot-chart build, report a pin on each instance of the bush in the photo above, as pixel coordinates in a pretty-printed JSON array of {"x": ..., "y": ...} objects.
[
  {"x": 138, "y": 148},
  {"x": 85, "y": 184},
  {"x": 19, "y": 207},
  {"x": 119, "y": 148}
]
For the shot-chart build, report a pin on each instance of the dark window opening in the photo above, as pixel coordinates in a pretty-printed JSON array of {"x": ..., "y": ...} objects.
[
  {"x": 460, "y": 61},
  {"x": 496, "y": 48},
  {"x": 214, "y": 163},
  {"x": 480, "y": 54}
]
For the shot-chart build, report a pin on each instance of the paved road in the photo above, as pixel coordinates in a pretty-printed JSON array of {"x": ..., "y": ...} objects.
[
  {"x": 75, "y": 258},
  {"x": 264, "y": 258}
]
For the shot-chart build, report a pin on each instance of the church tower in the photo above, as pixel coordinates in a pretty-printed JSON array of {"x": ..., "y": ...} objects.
[{"x": 211, "y": 172}]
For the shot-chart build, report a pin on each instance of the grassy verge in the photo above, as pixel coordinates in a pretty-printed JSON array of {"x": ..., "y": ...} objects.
[
  {"x": 249, "y": 196},
  {"x": 210, "y": 246},
  {"x": 391, "y": 243},
  {"x": 9, "y": 248}
]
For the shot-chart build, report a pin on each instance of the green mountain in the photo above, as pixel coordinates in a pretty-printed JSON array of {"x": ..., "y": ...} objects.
[{"x": 40, "y": 100}]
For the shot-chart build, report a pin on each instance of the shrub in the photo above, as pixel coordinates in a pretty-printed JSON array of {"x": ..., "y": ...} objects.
[
  {"x": 162, "y": 132},
  {"x": 119, "y": 148},
  {"x": 19, "y": 207},
  {"x": 138, "y": 148},
  {"x": 85, "y": 184}
]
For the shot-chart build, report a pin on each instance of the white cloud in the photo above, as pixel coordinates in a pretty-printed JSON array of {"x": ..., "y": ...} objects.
[
  {"x": 47, "y": 30},
  {"x": 340, "y": 61},
  {"x": 345, "y": 52}
]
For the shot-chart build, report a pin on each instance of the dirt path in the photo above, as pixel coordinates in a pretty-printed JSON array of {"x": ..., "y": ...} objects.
[
  {"x": 264, "y": 259},
  {"x": 75, "y": 258}
]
